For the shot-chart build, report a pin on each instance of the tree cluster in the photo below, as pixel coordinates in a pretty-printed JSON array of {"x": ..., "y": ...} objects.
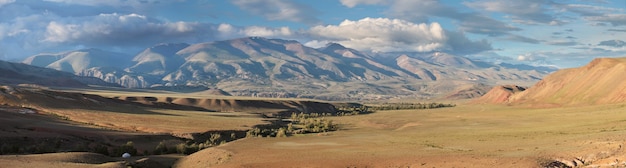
[
  {"x": 190, "y": 147},
  {"x": 408, "y": 106},
  {"x": 348, "y": 110},
  {"x": 299, "y": 123}
]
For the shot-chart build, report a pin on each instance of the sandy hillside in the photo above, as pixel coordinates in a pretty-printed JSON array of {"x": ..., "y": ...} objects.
[
  {"x": 214, "y": 91},
  {"x": 599, "y": 82}
]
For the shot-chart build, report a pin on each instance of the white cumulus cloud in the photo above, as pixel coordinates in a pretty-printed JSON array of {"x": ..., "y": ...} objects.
[
  {"x": 390, "y": 35},
  {"x": 532, "y": 57},
  {"x": 56, "y": 32},
  {"x": 384, "y": 35},
  {"x": 123, "y": 29},
  {"x": 227, "y": 31}
]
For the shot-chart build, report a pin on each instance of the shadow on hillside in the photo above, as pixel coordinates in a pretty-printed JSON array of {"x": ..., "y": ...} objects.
[{"x": 77, "y": 101}]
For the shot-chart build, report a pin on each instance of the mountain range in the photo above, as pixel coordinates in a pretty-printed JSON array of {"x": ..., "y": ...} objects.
[{"x": 256, "y": 66}]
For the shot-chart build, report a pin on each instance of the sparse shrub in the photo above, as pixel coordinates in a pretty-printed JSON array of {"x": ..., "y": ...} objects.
[
  {"x": 172, "y": 149},
  {"x": 186, "y": 149},
  {"x": 215, "y": 137},
  {"x": 281, "y": 132},
  {"x": 181, "y": 147},
  {"x": 290, "y": 128},
  {"x": 254, "y": 132},
  {"x": 294, "y": 116},
  {"x": 161, "y": 148}
]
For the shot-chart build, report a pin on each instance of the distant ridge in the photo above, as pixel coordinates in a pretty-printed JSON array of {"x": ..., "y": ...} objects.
[
  {"x": 18, "y": 73},
  {"x": 79, "y": 60},
  {"x": 214, "y": 91}
]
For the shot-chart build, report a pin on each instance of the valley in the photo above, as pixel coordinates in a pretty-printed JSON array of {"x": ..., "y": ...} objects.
[
  {"x": 312, "y": 84},
  {"x": 467, "y": 135},
  {"x": 187, "y": 126}
]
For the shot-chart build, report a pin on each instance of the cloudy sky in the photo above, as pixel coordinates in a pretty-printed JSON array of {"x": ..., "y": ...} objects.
[{"x": 563, "y": 33}]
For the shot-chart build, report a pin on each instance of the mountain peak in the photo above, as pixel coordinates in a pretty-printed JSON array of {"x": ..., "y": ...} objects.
[
  {"x": 167, "y": 48},
  {"x": 255, "y": 38},
  {"x": 334, "y": 46}
]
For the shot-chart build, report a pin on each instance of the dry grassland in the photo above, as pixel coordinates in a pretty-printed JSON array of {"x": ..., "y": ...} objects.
[
  {"x": 461, "y": 136},
  {"x": 464, "y": 136}
]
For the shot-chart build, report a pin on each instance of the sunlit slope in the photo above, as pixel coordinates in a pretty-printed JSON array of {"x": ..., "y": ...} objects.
[
  {"x": 499, "y": 94},
  {"x": 599, "y": 82}
]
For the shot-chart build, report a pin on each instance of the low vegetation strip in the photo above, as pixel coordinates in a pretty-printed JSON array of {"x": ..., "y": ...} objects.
[
  {"x": 303, "y": 123},
  {"x": 408, "y": 106}
]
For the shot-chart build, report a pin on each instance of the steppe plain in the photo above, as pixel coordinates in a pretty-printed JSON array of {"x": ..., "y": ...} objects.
[{"x": 468, "y": 135}]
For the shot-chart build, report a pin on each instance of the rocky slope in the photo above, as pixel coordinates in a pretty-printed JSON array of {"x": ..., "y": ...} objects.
[{"x": 257, "y": 66}]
